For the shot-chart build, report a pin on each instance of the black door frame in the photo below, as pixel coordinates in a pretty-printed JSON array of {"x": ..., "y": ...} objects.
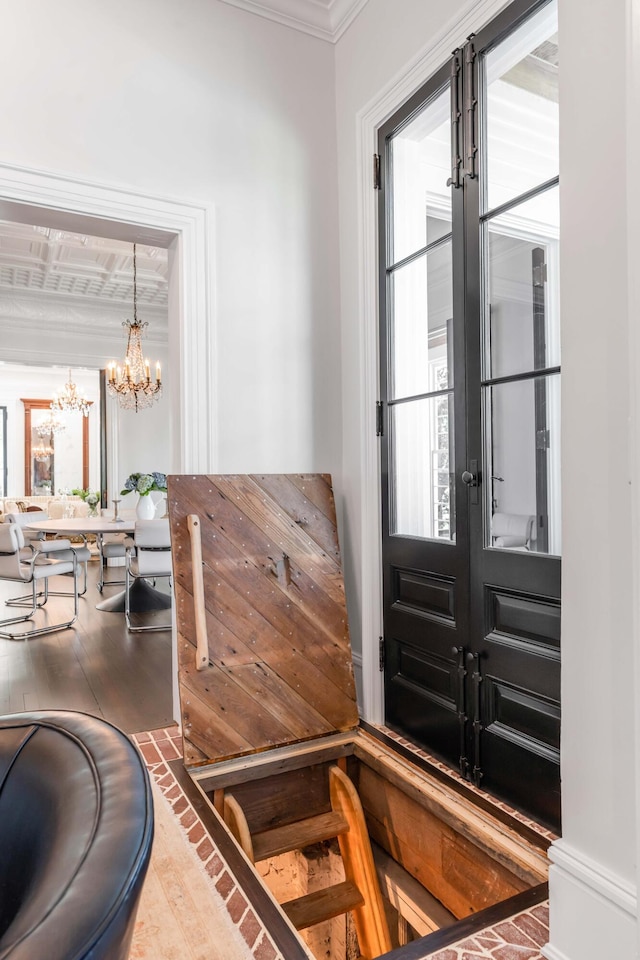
[{"x": 465, "y": 665}]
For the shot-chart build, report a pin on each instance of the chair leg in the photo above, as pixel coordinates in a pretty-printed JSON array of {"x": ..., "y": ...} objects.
[
  {"x": 51, "y": 628},
  {"x": 25, "y": 599},
  {"x": 106, "y": 583},
  {"x": 156, "y": 628},
  {"x": 69, "y": 593}
]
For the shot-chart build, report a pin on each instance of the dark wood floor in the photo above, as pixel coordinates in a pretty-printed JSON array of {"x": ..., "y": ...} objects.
[{"x": 96, "y": 666}]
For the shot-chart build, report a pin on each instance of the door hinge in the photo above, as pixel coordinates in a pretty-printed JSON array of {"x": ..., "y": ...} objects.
[
  {"x": 456, "y": 135},
  {"x": 540, "y": 274},
  {"x": 381, "y": 655},
  {"x": 471, "y": 101},
  {"x": 379, "y": 418},
  {"x": 542, "y": 440},
  {"x": 377, "y": 183}
]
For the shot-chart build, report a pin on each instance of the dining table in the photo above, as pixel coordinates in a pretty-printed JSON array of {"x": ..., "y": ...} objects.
[{"x": 143, "y": 597}]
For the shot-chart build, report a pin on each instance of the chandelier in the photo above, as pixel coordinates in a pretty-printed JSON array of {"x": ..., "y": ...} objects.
[
  {"x": 70, "y": 399},
  {"x": 131, "y": 383},
  {"x": 42, "y": 453},
  {"x": 51, "y": 424}
]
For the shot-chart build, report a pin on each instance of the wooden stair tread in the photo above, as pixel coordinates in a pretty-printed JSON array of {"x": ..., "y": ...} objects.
[
  {"x": 294, "y": 836},
  {"x": 323, "y": 904}
]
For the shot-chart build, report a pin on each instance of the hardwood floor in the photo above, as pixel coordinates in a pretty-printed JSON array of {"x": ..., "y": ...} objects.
[{"x": 96, "y": 666}]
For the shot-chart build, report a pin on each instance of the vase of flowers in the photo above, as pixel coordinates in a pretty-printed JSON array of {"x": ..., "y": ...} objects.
[
  {"x": 90, "y": 497},
  {"x": 143, "y": 484}
]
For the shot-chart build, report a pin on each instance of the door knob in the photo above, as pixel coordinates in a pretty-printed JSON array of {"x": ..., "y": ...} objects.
[{"x": 471, "y": 479}]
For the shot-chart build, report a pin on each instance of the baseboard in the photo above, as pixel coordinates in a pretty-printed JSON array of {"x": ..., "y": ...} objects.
[
  {"x": 593, "y": 911},
  {"x": 594, "y": 876}
]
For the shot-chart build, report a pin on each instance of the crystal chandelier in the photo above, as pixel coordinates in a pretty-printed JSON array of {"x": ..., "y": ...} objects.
[
  {"x": 42, "y": 453},
  {"x": 131, "y": 383},
  {"x": 51, "y": 424},
  {"x": 70, "y": 399}
]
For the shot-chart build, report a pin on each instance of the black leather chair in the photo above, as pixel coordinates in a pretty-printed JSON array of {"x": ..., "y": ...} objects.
[{"x": 76, "y": 827}]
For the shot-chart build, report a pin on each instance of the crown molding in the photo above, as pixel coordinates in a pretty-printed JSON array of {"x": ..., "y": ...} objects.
[{"x": 325, "y": 19}]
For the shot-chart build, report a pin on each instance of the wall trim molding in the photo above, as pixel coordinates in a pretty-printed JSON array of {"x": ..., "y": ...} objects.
[
  {"x": 324, "y": 19},
  {"x": 368, "y": 120},
  {"x": 552, "y": 954},
  {"x": 187, "y": 229},
  {"x": 596, "y": 878}
]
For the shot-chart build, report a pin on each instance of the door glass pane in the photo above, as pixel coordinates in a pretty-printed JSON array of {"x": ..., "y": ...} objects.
[
  {"x": 521, "y": 109},
  {"x": 422, "y": 307},
  {"x": 521, "y": 302},
  {"x": 423, "y": 469},
  {"x": 420, "y": 157},
  {"x": 522, "y": 488}
]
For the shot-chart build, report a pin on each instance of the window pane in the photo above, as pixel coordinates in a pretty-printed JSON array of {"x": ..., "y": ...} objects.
[
  {"x": 522, "y": 489},
  {"x": 423, "y": 469},
  {"x": 522, "y": 303},
  {"x": 422, "y": 307},
  {"x": 521, "y": 76},
  {"x": 420, "y": 156}
]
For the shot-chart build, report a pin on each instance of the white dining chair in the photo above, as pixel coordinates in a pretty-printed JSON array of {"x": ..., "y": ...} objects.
[
  {"x": 32, "y": 566},
  {"x": 111, "y": 546},
  {"x": 57, "y": 549},
  {"x": 148, "y": 556}
]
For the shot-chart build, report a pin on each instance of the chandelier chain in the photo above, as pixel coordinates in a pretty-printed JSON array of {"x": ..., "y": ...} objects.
[{"x": 131, "y": 384}]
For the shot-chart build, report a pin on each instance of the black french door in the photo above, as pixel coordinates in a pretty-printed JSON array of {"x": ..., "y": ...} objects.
[{"x": 469, "y": 379}]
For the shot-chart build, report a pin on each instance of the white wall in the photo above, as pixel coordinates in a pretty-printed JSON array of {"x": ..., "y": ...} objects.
[
  {"x": 593, "y": 885},
  {"x": 202, "y": 100},
  {"x": 376, "y": 49},
  {"x": 135, "y": 442},
  {"x": 18, "y": 382}
]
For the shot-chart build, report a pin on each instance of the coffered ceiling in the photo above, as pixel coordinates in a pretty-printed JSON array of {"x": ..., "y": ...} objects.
[{"x": 77, "y": 282}]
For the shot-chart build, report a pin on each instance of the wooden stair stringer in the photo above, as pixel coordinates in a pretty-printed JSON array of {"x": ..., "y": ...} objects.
[{"x": 358, "y": 894}]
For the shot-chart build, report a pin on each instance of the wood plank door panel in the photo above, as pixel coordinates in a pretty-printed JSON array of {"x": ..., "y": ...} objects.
[{"x": 279, "y": 665}]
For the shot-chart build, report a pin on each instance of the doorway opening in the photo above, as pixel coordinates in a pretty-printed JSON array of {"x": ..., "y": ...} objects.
[{"x": 184, "y": 229}]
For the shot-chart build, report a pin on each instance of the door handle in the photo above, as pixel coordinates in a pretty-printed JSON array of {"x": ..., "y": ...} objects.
[{"x": 471, "y": 478}]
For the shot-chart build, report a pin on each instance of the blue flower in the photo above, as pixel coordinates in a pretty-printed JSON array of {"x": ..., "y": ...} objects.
[{"x": 144, "y": 483}]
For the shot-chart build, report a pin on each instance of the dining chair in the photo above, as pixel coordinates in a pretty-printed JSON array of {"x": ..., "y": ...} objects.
[
  {"x": 111, "y": 546},
  {"x": 148, "y": 556},
  {"x": 58, "y": 549},
  {"x": 32, "y": 566}
]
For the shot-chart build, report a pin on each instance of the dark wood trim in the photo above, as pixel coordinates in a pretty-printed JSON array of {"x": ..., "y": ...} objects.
[
  {"x": 482, "y": 802},
  {"x": 38, "y": 404},
  {"x": 279, "y": 931},
  {"x": 427, "y": 946},
  {"x": 104, "y": 493},
  {"x": 283, "y": 936}
]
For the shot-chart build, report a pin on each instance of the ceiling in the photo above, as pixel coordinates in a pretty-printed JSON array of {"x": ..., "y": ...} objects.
[
  {"x": 61, "y": 264},
  {"x": 73, "y": 280}
]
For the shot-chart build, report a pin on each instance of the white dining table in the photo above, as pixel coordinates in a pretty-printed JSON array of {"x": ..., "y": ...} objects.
[
  {"x": 81, "y": 526},
  {"x": 142, "y": 595}
]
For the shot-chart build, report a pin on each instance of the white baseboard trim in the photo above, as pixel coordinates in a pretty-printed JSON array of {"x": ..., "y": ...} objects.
[
  {"x": 595, "y": 877},
  {"x": 550, "y": 953},
  {"x": 593, "y": 910}
]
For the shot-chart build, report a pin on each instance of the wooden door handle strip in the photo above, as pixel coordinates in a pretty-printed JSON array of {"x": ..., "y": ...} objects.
[{"x": 202, "y": 641}]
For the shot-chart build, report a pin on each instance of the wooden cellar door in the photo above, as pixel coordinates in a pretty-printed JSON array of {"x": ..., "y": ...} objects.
[{"x": 273, "y": 665}]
